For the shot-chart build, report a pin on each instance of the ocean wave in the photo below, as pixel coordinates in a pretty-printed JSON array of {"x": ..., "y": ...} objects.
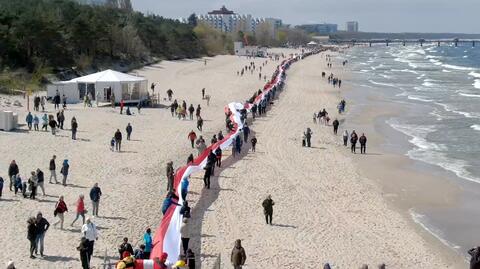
[
  {"x": 465, "y": 56},
  {"x": 419, "y": 98},
  {"x": 424, "y": 223},
  {"x": 427, "y": 84},
  {"x": 435, "y": 62},
  {"x": 463, "y": 113},
  {"x": 383, "y": 84},
  {"x": 476, "y": 84},
  {"x": 446, "y": 71},
  {"x": 385, "y": 76},
  {"x": 475, "y": 127},
  {"x": 404, "y": 71},
  {"x": 430, "y": 152},
  {"x": 469, "y": 95},
  {"x": 473, "y": 74},
  {"x": 456, "y": 67},
  {"x": 432, "y": 57}
]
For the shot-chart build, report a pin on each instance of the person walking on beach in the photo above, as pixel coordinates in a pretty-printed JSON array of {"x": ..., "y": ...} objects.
[
  {"x": 268, "y": 209},
  {"x": 198, "y": 112},
  {"x": 52, "y": 168},
  {"x": 53, "y": 125},
  {"x": 32, "y": 185},
  {"x": 32, "y": 235},
  {"x": 118, "y": 140},
  {"x": 353, "y": 141},
  {"x": 95, "y": 194},
  {"x": 83, "y": 249},
  {"x": 238, "y": 256},
  {"x": 90, "y": 232},
  {"x": 122, "y": 105},
  {"x": 129, "y": 130},
  {"x": 191, "y": 110},
  {"x": 170, "y": 94},
  {"x": 29, "y": 120},
  {"x": 254, "y": 143},
  {"x": 74, "y": 126},
  {"x": 13, "y": 171},
  {"x": 308, "y": 137},
  {"x": 363, "y": 144},
  {"x": 36, "y": 121},
  {"x": 199, "y": 123},
  {"x": 45, "y": 122},
  {"x": 41, "y": 180},
  {"x": 60, "y": 209},
  {"x": 246, "y": 133},
  {"x": 335, "y": 125},
  {"x": 80, "y": 210},
  {"x": 1, "y": 186},
  {"x": 64, "y": 171},
  {"x": 41, "y": 225},
  {"x": 192, "y": 136},
  {"x": 345, "y": 138}
]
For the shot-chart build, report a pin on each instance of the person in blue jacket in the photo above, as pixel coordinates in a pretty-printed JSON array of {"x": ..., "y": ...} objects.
[
  {"x": 184, "y": 188},
  {"x": 147, "y": 240},
  {"x": 238, "y": 144},
  {"x": 29, "y": 120},
  {"x": 169, "y": 201}
]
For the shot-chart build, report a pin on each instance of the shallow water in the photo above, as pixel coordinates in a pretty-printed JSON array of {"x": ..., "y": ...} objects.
[{"x": 439, "y": 87}]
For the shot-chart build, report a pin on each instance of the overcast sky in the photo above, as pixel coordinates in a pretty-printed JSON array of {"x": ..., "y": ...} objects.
[{"x": 459, "y": 16}]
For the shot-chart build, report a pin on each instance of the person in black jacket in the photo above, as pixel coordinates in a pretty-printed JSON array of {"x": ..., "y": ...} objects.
[
  {"x": 118, "y": 140},
  {"x": 95, "y": 194},
  {"x": 52, "y": 168},
  {"x": 363, "y": 144},
  {"x": 31, "y": 235},
  {"x": 475, "y": 259},
  {"x": 83, "y": 249},
  {"x": 335, "y": 124},
  {"x": 74, "y": 125},
  {"x": 353, "y": 141},
  {"x": 129, "y": 130},
  {"x": 12, "y": 173},
  {"x": 125, "y": 246},
  {"x": 41, "y": 225},
  {"x": 206, "y": 176}
]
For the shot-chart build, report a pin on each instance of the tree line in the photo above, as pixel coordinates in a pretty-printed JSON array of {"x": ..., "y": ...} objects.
[{"x": 38, "y": 34}]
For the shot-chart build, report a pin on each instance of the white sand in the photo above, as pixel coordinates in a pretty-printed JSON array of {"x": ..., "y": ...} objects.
[{"x": 324, "y": 210}]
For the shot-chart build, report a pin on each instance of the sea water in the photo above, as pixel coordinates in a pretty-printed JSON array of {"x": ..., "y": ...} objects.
[{"x": 440, "y": 89}]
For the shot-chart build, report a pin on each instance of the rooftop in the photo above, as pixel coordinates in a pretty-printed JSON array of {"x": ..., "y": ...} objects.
[{"x": 221, "y": 11}]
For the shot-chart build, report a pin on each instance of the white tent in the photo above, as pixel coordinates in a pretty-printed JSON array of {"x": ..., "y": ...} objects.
[{"x": 102, "y": 85}]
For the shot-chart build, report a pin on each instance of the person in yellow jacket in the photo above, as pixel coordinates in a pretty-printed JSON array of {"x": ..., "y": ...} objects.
[
  {"x": 128, "y": 261},
  {"x": 181, "y": 263}
]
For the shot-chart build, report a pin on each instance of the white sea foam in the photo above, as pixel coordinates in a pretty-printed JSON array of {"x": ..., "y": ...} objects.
[
  {"x": 383, "y": 84},
  {"x": 427, "y": 84},
  {"x": 476, "y": 84},
  {"x": 469, "y": 95},
  {"x": 423, "y": 222},
  {"x": 465, "y": 56},
  {"x": 404, "y": 70},
  {"x": 435, "y": 62},
  {"x": 430, "y": 152},
  {"x": 470, "y": 115},
  {"x": 446, "y": 71},
  {"x": 419, "y": 98},
  {"x": 456, "y": 67},
  {"x": 475, "y": 127},
  {"x": 473, "y": 74}
]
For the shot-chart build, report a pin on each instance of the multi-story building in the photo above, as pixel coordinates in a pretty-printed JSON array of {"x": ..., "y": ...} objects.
[
  {"x": 352, "y": 26},
  {"x": 322, "y": 28},
  {"x": 228, "y": 21}
]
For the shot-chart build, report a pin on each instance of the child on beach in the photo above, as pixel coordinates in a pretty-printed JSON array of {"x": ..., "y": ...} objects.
[{"x": 112, "y": 144}]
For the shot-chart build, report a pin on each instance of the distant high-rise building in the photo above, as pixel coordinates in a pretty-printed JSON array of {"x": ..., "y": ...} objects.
[
  {"x": 322, "y": 28},
  {"x": 352, "y": 26},
  {"x": 228, "y": 21}
]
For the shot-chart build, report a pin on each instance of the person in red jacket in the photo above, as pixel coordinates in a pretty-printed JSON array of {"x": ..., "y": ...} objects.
[
  {"x": 122, "y": 104},
  {"x": 60, "y": 209},
  {"x": 192, "y": 136},
  {"x": 80, "y": 209}
]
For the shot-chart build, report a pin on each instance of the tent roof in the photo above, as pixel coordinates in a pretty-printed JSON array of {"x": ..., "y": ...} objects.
[
  {"x": 108, "y": 76},
  {"x": 312, "y": 43}
]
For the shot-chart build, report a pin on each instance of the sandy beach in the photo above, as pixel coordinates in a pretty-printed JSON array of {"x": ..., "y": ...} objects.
[{"x": 326, "y": 209}]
